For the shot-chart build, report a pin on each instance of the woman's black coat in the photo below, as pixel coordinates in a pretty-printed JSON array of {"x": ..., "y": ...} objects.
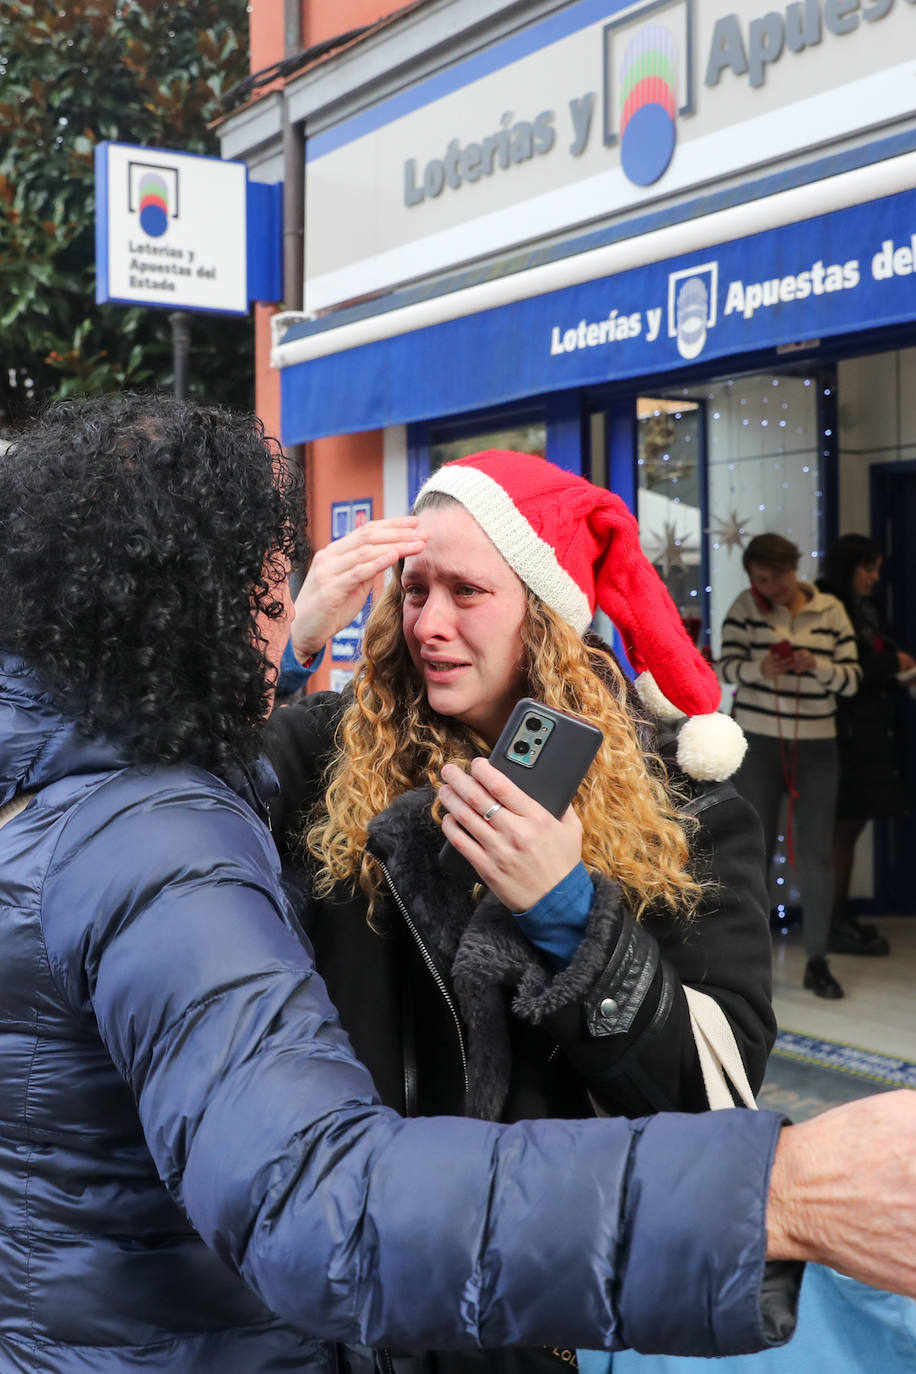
[
  {"x": 871, "y": 781},
  {"x": 453, "y": 1010}
]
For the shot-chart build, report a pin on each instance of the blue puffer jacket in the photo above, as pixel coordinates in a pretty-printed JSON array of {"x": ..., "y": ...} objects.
[{"x": 171, "y": 1070}]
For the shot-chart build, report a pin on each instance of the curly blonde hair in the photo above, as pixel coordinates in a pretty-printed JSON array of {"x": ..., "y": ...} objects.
[{"x": 390, "y": 741}]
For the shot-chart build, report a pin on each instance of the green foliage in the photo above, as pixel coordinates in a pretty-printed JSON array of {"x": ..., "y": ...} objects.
[{"x": 72, "y": 73}]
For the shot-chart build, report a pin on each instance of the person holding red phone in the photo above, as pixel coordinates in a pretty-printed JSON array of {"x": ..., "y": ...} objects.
[{"x": 790, "y": 652}]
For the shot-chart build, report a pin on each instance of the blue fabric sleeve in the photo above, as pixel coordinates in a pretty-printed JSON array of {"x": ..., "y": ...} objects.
[
  {"x": 557, "y": 922},
  {"x": 163, "y": 913},
  {"x": 292, "y": 673}
]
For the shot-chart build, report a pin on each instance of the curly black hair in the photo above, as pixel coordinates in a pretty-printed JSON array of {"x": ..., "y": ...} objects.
[
  {"x": 141, "y": 538},
  {"x": 845, "y": 554}
]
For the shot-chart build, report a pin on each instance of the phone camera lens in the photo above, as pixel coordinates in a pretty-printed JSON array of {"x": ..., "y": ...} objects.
[
  {"x": 532, "y": 723},
  {"x": 520, "y": 747}
]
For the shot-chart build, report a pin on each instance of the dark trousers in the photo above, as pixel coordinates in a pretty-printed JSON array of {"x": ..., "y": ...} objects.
[{"x": 761, "y": 780}]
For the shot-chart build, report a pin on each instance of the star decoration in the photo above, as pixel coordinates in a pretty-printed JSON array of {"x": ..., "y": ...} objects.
[
  {"x": 671, "y": 547},
  {"x": 731, "y": 532}
]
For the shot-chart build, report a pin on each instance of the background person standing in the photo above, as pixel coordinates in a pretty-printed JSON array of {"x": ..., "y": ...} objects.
[
  {"x": 871, "y": 783},
  {"x": 790, "y": 652}
]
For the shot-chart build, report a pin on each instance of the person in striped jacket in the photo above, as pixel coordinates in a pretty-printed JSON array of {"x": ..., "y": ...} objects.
[{"x": 790, "y": 651}]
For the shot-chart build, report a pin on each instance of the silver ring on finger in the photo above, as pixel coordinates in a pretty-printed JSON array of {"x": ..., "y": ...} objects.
[{"x": 492, "y": 810}]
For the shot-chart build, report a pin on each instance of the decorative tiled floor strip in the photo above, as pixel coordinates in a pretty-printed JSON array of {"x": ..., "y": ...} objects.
[{"x": 846, "y": 1059}]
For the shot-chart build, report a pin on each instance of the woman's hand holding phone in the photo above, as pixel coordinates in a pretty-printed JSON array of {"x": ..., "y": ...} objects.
[
  {"x": 523, "y": 851},
  {"x": 785, "y": 658}
]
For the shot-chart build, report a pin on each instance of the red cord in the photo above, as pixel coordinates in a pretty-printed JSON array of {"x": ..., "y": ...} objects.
[{"x": 789, "y": 774}]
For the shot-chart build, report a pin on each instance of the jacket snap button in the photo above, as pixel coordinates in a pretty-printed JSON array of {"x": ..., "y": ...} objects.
[{"x": 608, "y": 1008}]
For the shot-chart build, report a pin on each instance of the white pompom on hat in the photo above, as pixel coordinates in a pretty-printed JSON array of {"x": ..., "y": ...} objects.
[{"x": 577, "y": 547}]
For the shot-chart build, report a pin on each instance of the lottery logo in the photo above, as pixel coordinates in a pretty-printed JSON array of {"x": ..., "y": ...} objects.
[
  {"x": 648, "y": 104},
  {"x": 648, "y": 86},
  {"x": 692, "y": 307},
  {"x": 153, "y": 197},
  {"x": 154, "y": 205}
]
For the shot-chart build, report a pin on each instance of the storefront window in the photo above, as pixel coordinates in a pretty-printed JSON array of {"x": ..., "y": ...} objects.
[
  {"x": 760, "y": 435},
  {"x": 669, "y": 505},
  {"x": 523, "y": 438},
  {"x": 699, "y": 511},
  {"x": 762, "y": 448}
]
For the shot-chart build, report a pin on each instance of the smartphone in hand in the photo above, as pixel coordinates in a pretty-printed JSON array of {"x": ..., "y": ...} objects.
[{"x": 546, "y": 753}]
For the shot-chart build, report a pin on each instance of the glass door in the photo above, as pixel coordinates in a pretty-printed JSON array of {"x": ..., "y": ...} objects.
[
  {"x": 671, "y": 503},
  {"x": 717, "y": 463}
]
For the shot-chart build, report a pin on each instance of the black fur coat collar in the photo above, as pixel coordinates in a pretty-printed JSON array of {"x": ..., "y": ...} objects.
[{"x": 492, "y": 968}]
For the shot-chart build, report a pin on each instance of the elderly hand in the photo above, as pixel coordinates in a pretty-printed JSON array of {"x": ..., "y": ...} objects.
[
  {"x": 340, "y": 578},
  {"x": 843, "y": 1191},
  {"x": 522, "y": 852}
]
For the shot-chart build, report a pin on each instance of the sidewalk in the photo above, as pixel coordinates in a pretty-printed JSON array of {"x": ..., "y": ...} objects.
[
  {"x": 878, "y": 1012},
  {"x": 833, "y": 1052}
]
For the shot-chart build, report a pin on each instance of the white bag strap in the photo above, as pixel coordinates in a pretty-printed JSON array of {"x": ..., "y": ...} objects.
[{"x": 720, "y": 1059}]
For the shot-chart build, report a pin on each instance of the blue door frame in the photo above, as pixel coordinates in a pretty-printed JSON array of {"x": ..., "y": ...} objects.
[
  {"x": 893, "y": 528},
  {"x": 563, "y": 413}
]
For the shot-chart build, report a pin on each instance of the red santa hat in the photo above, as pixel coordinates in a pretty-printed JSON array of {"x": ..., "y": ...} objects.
[{"x": 577, "y": 547}]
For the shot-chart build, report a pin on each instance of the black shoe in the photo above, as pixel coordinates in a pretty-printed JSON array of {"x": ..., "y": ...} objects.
[
  {"x": 820, "y": 980},
  {"x": 851, "y": 937}
]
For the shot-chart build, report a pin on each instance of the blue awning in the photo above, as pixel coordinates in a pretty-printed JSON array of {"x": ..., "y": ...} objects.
[{"x": 824, "y": 277}]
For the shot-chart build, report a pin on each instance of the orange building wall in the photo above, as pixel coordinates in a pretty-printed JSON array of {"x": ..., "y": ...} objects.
[
  {"x": 265, "y": 33},
  {"x": 346, "y": 467},
  {"x": 324, "y": 18},
  {"x": 321, "y": 19},
  {"x": 266, "y": 378}
]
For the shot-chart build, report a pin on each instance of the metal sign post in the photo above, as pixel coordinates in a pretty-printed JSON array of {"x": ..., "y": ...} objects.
[{"x": 180, "y": 321}]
